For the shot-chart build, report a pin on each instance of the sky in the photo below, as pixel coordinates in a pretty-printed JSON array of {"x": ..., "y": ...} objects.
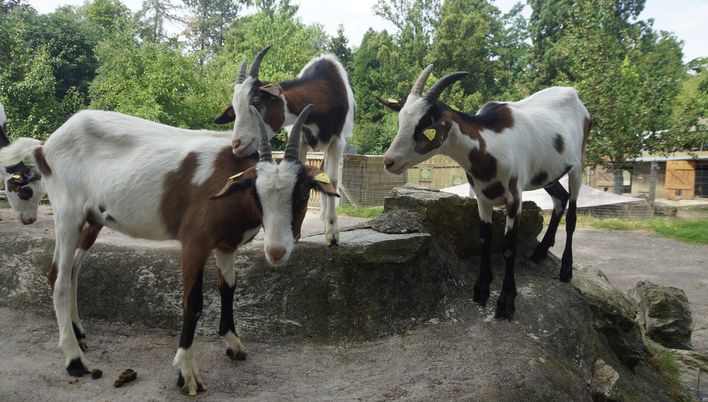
[{"x": 685, "y": 18}]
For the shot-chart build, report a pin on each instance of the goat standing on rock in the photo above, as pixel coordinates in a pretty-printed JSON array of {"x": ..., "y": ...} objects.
[
  {"x": 23, "y": 186},
  {"x": 153, "y": 181},
  {"x": 323, "y": 82},
  {"x": 505, "y": 149}
]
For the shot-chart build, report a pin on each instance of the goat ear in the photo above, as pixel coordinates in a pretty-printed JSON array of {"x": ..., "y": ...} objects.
[
  {"x": 392, "y": 104},
  {"x": 432, "y": 137},
  {"x": 272, "y": 89},
  {"x": 227, "y": 116},
  {"x": 319, "y": 181},
  {"x": 236, "y": 182}
]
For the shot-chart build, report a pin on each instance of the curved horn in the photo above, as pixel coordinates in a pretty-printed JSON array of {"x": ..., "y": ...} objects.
[
  {"x": 241, "y": 73},
  {"x": 264, "y": 147},
  {"x": 256, "y": 64},
  {"x": 292, "y": 150},
  {"x": 420, "y": 82},
  {"x": 444, "y": 82}
]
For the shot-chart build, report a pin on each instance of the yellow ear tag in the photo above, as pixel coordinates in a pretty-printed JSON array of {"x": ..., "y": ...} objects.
[
  {"x": 16, "y": 176},
  {"x": 390, "y": 100},
  {"x": 236, "y": 176},
  {"x": 266, "y": 86},
  {"x": 322, "y": 178},
  {"x": 430, "y": 134}
]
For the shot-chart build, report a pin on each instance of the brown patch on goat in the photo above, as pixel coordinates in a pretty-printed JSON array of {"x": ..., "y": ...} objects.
[
  {"x": 586, "y": 132},
  {"x": 274, "y": 115},
  {"x": 504, "y": 119},
  {"x": 484, "y": 165},
  {"x": 559, "y": 143},
  {"x": 88, "y": 235},
  {"x": 42, "y": 164},
  {"x": 52, "y": 274},
  {"x": 185, "y": 208},
  {"x": 328, "y": 94},
  {"x": 513, "y": 203},
  {"x": 494, "y": 191}
]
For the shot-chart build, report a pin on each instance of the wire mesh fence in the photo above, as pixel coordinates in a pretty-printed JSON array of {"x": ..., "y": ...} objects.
[{"x": 628, "y": 191}]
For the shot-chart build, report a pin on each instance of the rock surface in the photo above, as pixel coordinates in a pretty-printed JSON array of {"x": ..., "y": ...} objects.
[
  {"x": 454, "y": 220},
  {"x": 613, "y": 313},
  {"x": 664, "y": 313},
  {"x": 381, "y": 317}
]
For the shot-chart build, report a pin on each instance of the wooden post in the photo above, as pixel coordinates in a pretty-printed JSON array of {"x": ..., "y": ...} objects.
[{"x": 652, "y": 184}]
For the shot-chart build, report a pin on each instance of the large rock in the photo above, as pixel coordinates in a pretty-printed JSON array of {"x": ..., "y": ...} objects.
[
  {"x": 613, "y": 313},
  {"x": 405, "y": 288},
  {"x": 664, "y": 313},
  {"x": 454, "y": 220}
]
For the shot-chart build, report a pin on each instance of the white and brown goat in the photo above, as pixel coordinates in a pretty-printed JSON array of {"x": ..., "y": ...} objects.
[
  {"x": 505, "y": 149},
  {"x": 157, "y": 182},
  {"x": 323, "y": 82},
  {"x": 23, "y": 186}
]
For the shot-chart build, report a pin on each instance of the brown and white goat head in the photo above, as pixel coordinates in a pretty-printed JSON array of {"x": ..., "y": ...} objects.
[
  {"x": 281, "y": 189},
  {"x": 250, "y": 91},
  {"x": 423, "y": 123}
]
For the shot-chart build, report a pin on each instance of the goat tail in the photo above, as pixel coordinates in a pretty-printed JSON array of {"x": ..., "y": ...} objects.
[{"x": 15, "y": 152}]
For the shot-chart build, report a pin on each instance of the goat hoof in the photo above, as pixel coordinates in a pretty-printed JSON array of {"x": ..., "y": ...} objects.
[
  {"x": 241, "y": 355},
  {"x": 505, "y": 306},
  {"x": 76, "y": 368},
  {"x": 192, "y": 386},
  {"x": 539, "y": 255},
  {"x": 481, "y": 293}
]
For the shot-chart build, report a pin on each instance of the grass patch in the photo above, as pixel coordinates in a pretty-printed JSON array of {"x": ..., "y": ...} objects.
[
  {"x": 369, "y": 212},
  {"x": 689, "y": 231},
  {"x": 664, "y": 362},
  {"x": 694, "y": 231}
]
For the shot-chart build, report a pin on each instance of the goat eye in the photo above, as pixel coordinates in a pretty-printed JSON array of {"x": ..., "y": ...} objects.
[{"x": 257, "y": 101}]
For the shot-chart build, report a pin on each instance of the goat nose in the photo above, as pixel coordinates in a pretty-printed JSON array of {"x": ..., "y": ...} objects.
[
  {"x": 235, "y": 143},
  {"x": 276, "y": 253},
  {"x": 388, "y": 162}
]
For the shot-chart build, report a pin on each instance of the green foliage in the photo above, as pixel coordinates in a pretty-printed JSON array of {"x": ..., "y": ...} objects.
[
  {"x": 107, "y": 13},
  {"x": 627, "y": 91},
  {"x": 28, "y": 86},
  {"x": 155, "y": 81},
  {"x": 664, "y": 362},
  {"x": 293, "y": 45}
]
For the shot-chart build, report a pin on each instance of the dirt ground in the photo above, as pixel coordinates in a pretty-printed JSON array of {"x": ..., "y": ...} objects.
[{"x": 399, "y": 367}]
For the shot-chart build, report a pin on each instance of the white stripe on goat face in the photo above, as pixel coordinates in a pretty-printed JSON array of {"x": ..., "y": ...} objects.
[
  {"x": 402, "y": 150},
  {"x": 275, "y": 184},
  {"x": 245, "y": 136}
]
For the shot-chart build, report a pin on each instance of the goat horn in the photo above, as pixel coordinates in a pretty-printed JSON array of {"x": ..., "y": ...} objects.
[
  {"x": 420, "y": 82},
  {"x": 241, "y": 73},
  {"x": 444, "y": 82},
  {"x": 292, "y": 150},
  {"x": 256, "y": 64},
  {"x": 264, "y": 148}
]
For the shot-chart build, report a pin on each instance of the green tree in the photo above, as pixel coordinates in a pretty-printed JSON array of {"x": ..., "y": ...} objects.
[
  {"x": 338, "y": 46},
  {"x": 107, "y": 13},
  {"x": 209, "y": 22},
  {"x": 465, "y": 41},
  {"x": 152, "y": 17},
  {"x": 28, "y": 87},
  {"x": 691, "y": 109},
  {"x": 627, "y": 79},
  {"x": 549, "y": 23},
  {"x": 155, "y": 81}
]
